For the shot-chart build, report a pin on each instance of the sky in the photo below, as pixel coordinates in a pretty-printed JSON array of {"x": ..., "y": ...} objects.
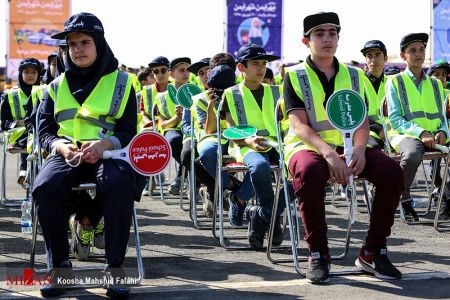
[{"x": 139, "y": 30}]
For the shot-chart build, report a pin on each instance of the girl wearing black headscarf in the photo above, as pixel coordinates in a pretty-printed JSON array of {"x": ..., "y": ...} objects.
[
  {"x": 89, "y": 68},
  {"x": 12, "y": 118}
]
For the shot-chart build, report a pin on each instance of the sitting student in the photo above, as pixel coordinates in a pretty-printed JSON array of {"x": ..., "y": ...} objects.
[
  {"x": 205, "y": 107},
  {"x": 170, "y": 116},
  {"x": 72, "y": 132},
  {"x": 13, "y": 111},
  {"x": 375, "y": 54},
  {"x": 415, "y": 108},
  {"x": 253, "y": 102},
  {"x": 313, "y": 149}
]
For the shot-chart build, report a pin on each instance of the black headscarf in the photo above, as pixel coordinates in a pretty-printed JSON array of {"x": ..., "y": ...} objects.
[
  {"x": 26, "y": 88},
  {"x": 59, "y": 65},
  {"x": 47, "y": 78},
  {"x": 83, "y": 80}
]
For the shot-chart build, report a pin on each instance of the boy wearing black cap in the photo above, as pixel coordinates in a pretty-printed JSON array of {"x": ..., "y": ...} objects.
[
  {"x": 170, "y": 115},
  {"x": 376, "y": 56},
  {"x": 313, "y": 148},
  {"x": 415, "y": 109},
  {"x": 200, "y": 70},
  {"x": 252, "y": 102},
  {"x": 13, "y": 111}
]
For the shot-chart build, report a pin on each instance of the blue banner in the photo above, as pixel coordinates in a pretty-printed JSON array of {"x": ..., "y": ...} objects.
[
  {"x": 441, "y": 30},
  {"x": 255, "y": 21}
]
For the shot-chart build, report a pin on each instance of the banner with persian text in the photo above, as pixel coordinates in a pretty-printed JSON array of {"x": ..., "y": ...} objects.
[
  {"x": 31, "y": 25},
  {"x": 257, "y": 22}
]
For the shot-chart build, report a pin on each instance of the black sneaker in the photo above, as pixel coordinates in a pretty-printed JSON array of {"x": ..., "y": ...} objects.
[
  {"x": 57, "y": 280},
  {"x": 444, "y": 211},
  {"x": 236, "y": 210},
  {"x": 278, "y": 235},
  {"x": 409, "y": 212},
  {"x": 115, "y": 287},
  {"x": 378, "y": 264},
  {"x": 319, "y": 268},
  {"x": 257, "y": 228}
]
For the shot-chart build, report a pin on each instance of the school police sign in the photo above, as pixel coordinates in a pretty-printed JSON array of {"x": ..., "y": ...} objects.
[{"x": 346, "y": 110}]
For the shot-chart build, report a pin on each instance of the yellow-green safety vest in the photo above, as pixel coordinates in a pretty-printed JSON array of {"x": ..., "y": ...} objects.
[
  {"x": 96, "y": 117},
  {"x": 38, "y": 92},
  {"x": 308, "y": 87},
  {"x": 166, "y": 108},
  {"x": 200, "y": 102},
  {"x": 374, "y": 100},
  {"x": 244, "y": 110},
  {"x": 17, "y": 100},
  {"x": 424, "y": 109}
]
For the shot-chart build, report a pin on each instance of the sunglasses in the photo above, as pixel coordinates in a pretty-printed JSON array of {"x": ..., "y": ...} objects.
[{"x": 156, "y": 71}]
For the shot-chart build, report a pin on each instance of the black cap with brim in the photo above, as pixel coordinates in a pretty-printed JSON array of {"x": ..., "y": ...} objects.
[
  {"x": 441, "y": 64},
  {"x": 30, "y": 62},
  {"x": 52, "y": 56},
  {"x": 374, "y": 44},
  {"x": 82, "y": 22},
  {"x": 411, "y": 38},
  {"x": 179, "y": 60},
  {"x": 159, "y": 61},
  {"x": 254, "y": 52},
  {"x": 195, "y": 67},
  {"x": 221, "y": 77},
  {"x": 322, "y": 18}
]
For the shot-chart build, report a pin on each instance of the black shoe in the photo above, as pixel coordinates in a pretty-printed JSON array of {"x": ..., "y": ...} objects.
[
  {"x": 115, "y": 287},
  {"x": 257, "y": 228},
  {"x": 444, "y": 211},
  {"x": 57, "y": 280},
  {"x": 409, "y": 212},
  {"x": 378, "y": 264},
  {"x": 319, "y": 268},
  {"x": 278, "y": 235},
  {"x": 236, "y": 210}
]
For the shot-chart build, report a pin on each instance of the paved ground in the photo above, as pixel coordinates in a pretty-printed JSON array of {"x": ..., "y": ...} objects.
[{"x": 181, "y": 262}]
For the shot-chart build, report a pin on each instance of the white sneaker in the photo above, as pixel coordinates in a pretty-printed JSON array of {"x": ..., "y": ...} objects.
[
  {"x": 80, "y": 239},
  {"x": 207, "y": 204}
]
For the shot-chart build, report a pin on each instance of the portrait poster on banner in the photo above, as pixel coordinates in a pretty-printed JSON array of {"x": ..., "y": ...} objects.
[{"x": 257, "y": 22}]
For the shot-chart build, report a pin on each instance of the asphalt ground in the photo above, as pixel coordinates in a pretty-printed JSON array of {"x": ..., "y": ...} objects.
[{"x": 181, "y": 262}]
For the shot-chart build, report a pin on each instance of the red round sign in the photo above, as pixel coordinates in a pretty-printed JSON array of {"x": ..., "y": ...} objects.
[{"x": 149, "y": 153}]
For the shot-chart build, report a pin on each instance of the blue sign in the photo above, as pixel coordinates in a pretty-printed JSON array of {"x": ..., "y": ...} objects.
[
  {"x": 441, "y": 30},
  {"x": 255, "y": 22}
]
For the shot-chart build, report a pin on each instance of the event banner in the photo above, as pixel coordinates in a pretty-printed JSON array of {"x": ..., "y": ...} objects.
[
  {"x": 441, "y": 30},
  {"x": 31, "y": 24},
  {"x": 257, "y": 22}
]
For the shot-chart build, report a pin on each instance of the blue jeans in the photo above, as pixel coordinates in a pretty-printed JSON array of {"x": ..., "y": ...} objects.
[{"x": 207, "y": 154}]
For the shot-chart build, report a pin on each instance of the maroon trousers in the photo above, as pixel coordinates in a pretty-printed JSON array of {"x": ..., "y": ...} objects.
[{"x": 310, "y": 173}]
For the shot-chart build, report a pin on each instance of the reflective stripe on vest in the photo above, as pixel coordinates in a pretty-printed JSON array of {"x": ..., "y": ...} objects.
[
  {"x": 240, "y": 108},
  {"x": 116, "y": 102},
  {"x": 305, "y": 87},
  {"x": 164, "y": 106},
  {"x": 419, "y": 114},
  {"x": 16, "y": 102}
]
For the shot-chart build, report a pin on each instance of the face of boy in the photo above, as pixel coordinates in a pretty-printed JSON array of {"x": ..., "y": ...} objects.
[
  {"x": 375, "y": 60},
  {"x": 180, "y": 73},
  {"x": 30, "y": 75},
  {"x": 440, "y": 74},
  {"x": 203, "y": 75},
  {"x": 255, "y": 70},
  {"x": 414, "y": 54},
  {"x": 322, "y": 41},
  {"x": 161, "y": 74},
  {"x": 53, "y": 66}
]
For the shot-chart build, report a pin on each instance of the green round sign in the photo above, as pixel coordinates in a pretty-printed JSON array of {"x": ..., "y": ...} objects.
[
  {"x": 239, "y": 132},
  {"x": 185, "y": 93},
  {"x": 172, "y": 90},
  {"x": 346, "y": 110}
]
